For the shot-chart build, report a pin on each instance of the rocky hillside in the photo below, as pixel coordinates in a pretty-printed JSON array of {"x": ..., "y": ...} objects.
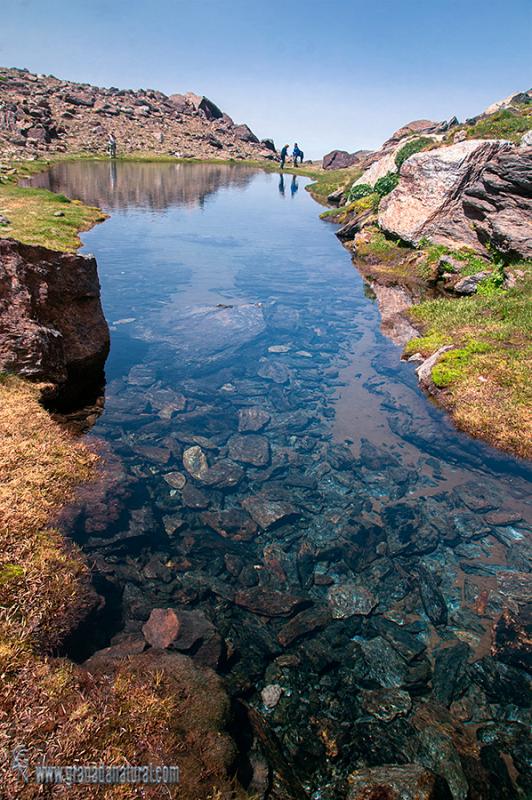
[{"x": 42, "y": 114}]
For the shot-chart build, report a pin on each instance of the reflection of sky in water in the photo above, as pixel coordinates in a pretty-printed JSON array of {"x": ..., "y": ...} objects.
[{"x": 420, "y": 495}]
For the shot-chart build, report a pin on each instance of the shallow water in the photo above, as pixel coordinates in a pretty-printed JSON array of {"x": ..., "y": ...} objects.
[{"x": 394, "y": 540}]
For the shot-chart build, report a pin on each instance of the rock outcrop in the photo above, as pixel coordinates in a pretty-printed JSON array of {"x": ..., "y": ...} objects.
[
  {"x": 52, "y": 327},
  {"x": 499, "y": 203},
  {"x": 340, "y": 159},
  {"x": 429, "y": 200},
  {"x": 42, "y": 114}
]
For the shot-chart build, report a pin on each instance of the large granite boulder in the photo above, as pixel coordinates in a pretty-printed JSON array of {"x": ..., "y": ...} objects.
[
  {"x": 52, "y": 327},
  {"x": 428, "y": 202},
  {"x": 500, "y": 202}
]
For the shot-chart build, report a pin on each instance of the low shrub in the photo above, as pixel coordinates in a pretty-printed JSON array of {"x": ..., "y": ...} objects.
[
  {"x": 414, "y": 146},
  {"x": 356, "y": 192},
  {"x": 386, "y": 184}
]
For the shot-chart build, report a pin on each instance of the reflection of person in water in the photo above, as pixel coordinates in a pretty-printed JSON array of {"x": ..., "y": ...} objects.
[
  {"x": 111, "y": 146},
  {"x": 293, "y": 186},
  {"x": 281, "y": 184}
]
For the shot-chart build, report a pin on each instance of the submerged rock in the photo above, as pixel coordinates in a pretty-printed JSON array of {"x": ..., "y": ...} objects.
[
  {"x": 271, "y": 695},
  {"x": 268, "y": 602},
  {"x": 253, "y": 419},
  {"x": 205, "y": 336},
  {"x": 267, "y": 512},
  {"x": 195, "y": 462},
  {"x": 250, "y": 449},
  {"x": 386, "y": 704},
  {"x": 232, "y": 523},
  {"x": 392, "y": 782},
  {"x": 348, "y": 599}
]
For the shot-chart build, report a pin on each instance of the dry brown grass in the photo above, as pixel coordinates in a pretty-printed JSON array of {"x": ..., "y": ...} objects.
[{"x": 146, "y": 709}]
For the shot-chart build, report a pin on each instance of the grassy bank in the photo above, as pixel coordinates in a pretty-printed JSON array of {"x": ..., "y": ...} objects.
[
  {"x": 485, "y": 380},
  {"x": 40, "y": 217}
]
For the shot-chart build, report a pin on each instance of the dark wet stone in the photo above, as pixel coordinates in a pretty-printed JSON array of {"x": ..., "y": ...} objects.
[
  {"x": 160, "y": 455},
  {"x": 376, "y": 458},
  {"x": 273, "y": 371},
  {"x": 406, "y": 643},
  {"x": 431, "y": 597},
  {"x": 512, "y": 636},
  {"x": 515, "y": 586},
  {"x": 449, "y": 676},
  {"x": 194, "y": 497},
  {"x": 438, "y": 748},
  {"x": 340, "y": 457},
  {"x": 392, "y": 782},
  {"x": 308, "y": 621},
  {"x": 185, "y": 631},
  {"x": 501, "y": 682},
  {"x": 375, "y": 662},
  {"x": 267, "y": 512},
  {"x": 268, "y": 602},
  {"x": 305, "y": 561},
  {"x": 386, "y": 704},
  {"x": 253, "y": 419},
  {"x": 224, "y": 474},
  {"x": 349, "y": 599},
  {"x": 250, "y": 449},
  {"x": 475, "y": 497},
  {"x": 172, "y": 523},
  {"x": 157, "y": 570},
  {"x": 231, "y": 523}
]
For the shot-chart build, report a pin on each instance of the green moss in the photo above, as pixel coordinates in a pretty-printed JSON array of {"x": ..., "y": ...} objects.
[
  {"x": 453, "y": 365},
  {"x": 10, "y": 572}
]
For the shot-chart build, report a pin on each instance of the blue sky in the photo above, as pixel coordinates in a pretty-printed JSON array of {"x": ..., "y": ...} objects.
[{"x": 326, "y": 74}]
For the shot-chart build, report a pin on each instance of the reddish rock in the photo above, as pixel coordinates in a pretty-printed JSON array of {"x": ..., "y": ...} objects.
[
  {"x": 162, "y": 628},
  {"x": 267, "y": 512},
  {"x": 391, "y": 782},
  {"x": 253, "y": 419},
  {"x": 52, "y": 327}
]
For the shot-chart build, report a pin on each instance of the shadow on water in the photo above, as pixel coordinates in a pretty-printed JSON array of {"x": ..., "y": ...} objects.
[{"x": 275, "y": 475}]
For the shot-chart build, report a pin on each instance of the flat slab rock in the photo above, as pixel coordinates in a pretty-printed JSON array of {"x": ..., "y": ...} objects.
[
  {"x": 268, "y": 602},
  {"x": 408, "y": 782},
  {"x": 167, "y": 628},
  {"x": 205, "y": 335},
  {"x": 231, "y": 523},
  {"x": 267, "y": 512},
  {"x": 253, "y": 419},
  {"x": 348, "y": 599},
  {"x": 250, "y": 449}
]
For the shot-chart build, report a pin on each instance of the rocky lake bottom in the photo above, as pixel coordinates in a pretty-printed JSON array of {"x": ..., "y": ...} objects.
[{"x": 355, "y": 568}]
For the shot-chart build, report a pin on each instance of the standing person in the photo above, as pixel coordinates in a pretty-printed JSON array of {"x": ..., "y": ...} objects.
[
  {"x": 284, "y": 153},
  {"x": 297, "y": 153},
  {"x": 111, "y": 146}
]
